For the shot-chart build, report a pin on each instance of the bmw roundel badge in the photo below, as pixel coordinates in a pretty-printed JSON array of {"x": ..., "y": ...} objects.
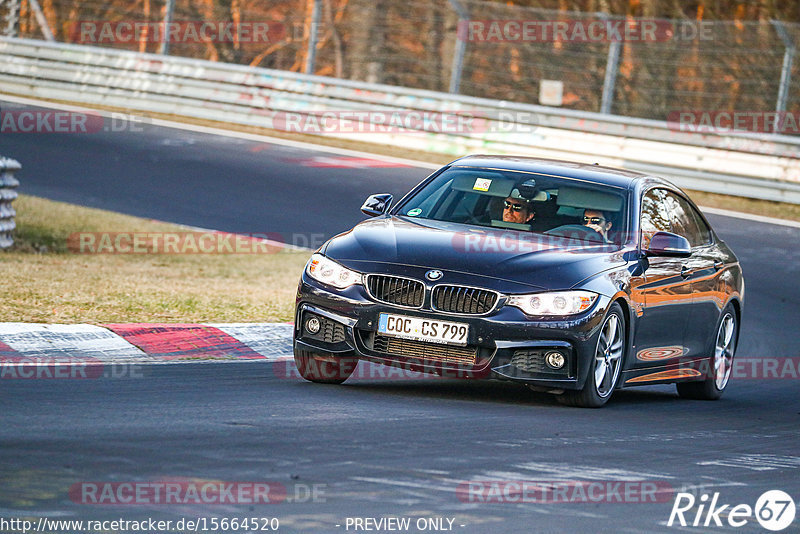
[{"x": 433, "y": 275}]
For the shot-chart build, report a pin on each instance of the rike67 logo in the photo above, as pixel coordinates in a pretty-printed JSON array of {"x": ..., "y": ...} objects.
[{"x": 774, "y": 510}]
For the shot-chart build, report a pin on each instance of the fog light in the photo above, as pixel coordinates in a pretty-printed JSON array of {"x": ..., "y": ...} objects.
[
  {"x": 555, "y": 360},
  {"x": 312, "y": 325}
]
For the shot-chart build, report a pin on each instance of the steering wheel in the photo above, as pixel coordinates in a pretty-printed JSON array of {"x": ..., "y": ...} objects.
[{"x": 577, "y": 231}]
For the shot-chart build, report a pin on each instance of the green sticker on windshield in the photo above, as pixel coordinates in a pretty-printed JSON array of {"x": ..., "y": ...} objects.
[{"x": 414, "y": 212}]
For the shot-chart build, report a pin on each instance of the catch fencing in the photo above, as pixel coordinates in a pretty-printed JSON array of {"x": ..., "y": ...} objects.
[{"x": 479, "y": 48}]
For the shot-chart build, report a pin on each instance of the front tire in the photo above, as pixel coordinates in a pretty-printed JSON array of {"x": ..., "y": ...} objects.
[
  {"x": 322, "y": 369},
  {"x": 609, "y": 356},
  {"x": 720, "y": 363}
]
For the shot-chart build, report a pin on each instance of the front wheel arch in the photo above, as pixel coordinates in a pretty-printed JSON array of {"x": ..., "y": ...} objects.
[
  {"x": 627, "y": 315},
  {"x": 736, "y": 304},
  {"x": 590, "y": 395},
  {"x": 621, "y": 299}
]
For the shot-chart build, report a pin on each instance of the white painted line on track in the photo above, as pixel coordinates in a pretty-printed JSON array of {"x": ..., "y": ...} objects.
[
  {"x": 333, "y": 150},
  {"x": 757, "y": 462},
  {"x": 562, "y": 471},
  {"x": 751, "y": 217}
]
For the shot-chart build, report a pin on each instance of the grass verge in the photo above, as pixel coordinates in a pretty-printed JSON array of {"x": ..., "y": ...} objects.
[{"x": 49, "y": 284}]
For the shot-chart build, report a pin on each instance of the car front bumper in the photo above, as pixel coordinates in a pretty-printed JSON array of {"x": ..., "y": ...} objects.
[{"x": 504, "y": 344}]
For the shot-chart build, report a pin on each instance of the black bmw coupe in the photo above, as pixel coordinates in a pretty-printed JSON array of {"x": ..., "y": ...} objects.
[{"x": 573, "y": 279}]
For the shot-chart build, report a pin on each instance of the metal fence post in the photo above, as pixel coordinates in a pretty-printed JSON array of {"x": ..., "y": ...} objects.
[
  {"x": 460, "y": 49},
  {"x": 610, "y": 81},
  {"x": 12, "y": 18},
  {"x": 8, "y": 186},
  {"x": 170, "y": 8},
  {"x": 40, "y": 18},
  {"x": 313, "y": 36},
  {"x": 786, "y": 70}
]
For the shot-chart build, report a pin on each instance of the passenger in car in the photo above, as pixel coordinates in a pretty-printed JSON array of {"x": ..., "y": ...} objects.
[{"x": 599, "y": 221}]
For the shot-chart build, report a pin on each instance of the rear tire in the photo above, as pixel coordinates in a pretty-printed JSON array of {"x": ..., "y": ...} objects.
[
  {"x": 322, "y": 369},
  {"x": 720, "y": 362},
  {"x": 609, "y": 357}
]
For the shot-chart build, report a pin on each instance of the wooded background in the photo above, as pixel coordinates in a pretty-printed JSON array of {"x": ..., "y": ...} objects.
[{"x": 411, "y": 43}]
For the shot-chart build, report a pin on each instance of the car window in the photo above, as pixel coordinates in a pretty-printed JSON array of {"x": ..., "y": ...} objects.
[
  {"x": 464, "y": 207},
  {"x": 664, "y": 211},
  {"x": 453, "y": 206},
  {"x": 655, "y": 215},
  {"x": 704, "y": 232},
  {"x": 553, "y": 205},
  {"x": 429, "y": 203},
  {"x": 685, "y": 222}
]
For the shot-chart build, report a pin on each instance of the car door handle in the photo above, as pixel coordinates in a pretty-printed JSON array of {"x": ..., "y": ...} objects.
[
  {"x": 685, "y": 272},
  {"x": 718, "y": 265}
]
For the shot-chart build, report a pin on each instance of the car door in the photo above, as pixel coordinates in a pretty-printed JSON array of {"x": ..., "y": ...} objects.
[
  {"x": 703, "y": 271},
  {"x": 664, "y": 289}
]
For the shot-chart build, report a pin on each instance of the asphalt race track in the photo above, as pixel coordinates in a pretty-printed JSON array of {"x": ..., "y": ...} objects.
[
  {"x": 377, "y": 447},
  {"x": 215, "y": 182}
]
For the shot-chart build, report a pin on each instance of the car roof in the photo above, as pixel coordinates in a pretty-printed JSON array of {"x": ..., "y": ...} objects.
[{"x": 570, "y": 169}]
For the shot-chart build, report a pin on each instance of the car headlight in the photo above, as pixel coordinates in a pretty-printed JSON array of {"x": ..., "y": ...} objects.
[
  {"x": 555, "y": 303},
  {"x": 329, "y": 272}
]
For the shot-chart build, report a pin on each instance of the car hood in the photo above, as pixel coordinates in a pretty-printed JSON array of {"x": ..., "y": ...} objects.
[{"x": 523, "y": 257}]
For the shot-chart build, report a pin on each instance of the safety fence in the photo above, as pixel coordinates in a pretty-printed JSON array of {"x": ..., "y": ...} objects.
[
  {"x": 673, "y": 56},
  {"x": 747, "y": 164}
]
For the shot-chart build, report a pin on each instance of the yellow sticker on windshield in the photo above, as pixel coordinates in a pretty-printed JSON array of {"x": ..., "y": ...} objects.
[{"x": 482, "y": 184}]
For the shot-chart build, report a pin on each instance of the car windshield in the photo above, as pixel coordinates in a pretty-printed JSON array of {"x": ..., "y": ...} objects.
[{"x": 545, "y": 204}]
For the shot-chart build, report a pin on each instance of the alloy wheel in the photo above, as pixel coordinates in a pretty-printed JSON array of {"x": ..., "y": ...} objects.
[
  {"x": 723, "y": 351},
  {"x": 608, "y": 356}
]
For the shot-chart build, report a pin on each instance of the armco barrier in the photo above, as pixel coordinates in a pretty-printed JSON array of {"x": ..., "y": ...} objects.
[
  {"x": 754, "y": 165},
  {"x": 8, "y": 186}
]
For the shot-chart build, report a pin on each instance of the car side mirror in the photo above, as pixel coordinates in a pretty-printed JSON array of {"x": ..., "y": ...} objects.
[
  {"x": 377, "y": 204},
  {"x": 669, "y": 245}
]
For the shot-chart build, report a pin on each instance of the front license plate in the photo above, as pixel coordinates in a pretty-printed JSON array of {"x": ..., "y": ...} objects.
[{"x": 422, "y": 329}]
